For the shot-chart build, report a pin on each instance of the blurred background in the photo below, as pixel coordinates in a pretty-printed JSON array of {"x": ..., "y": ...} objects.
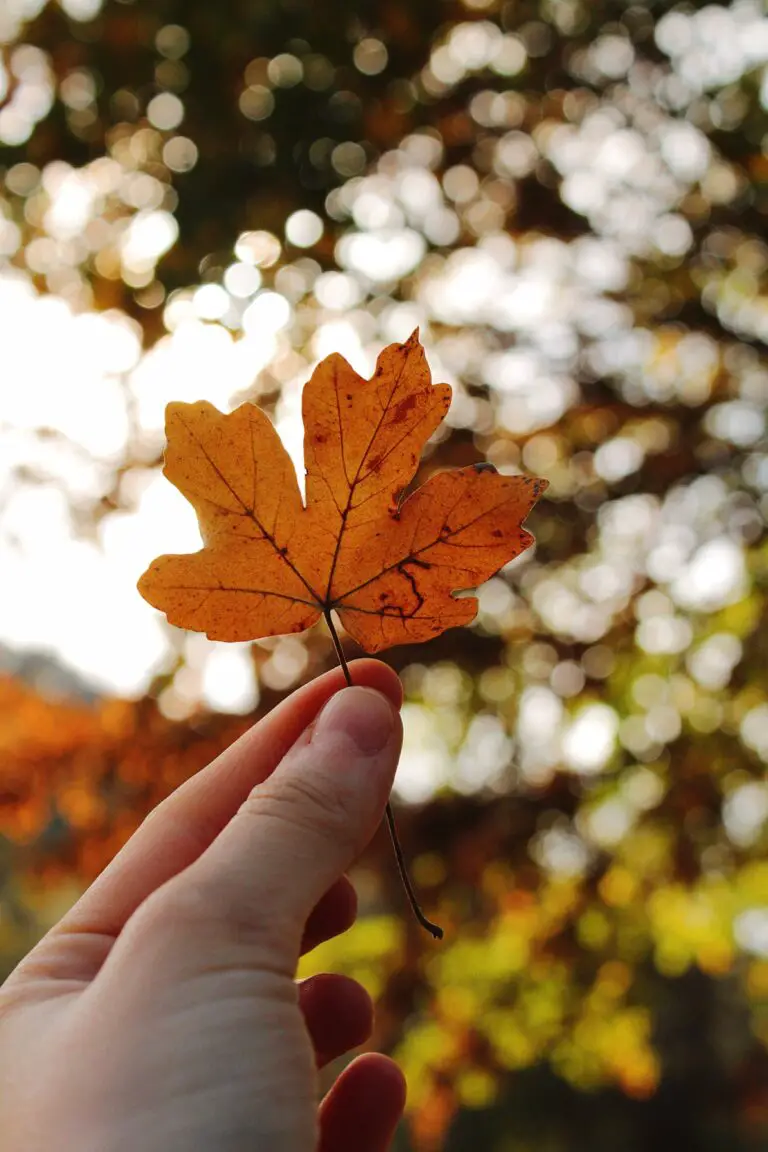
[{"x": 569, "y": 198}]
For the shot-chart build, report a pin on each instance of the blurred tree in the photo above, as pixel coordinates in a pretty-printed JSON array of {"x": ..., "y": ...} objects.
[{"x": 570, "y": 198}]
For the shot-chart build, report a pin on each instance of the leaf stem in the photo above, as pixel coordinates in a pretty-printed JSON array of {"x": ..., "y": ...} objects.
[{"x": 434, "y": 929}]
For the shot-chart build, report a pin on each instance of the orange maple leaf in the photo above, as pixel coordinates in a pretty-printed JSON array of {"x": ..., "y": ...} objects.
[{"x": 271, "y": 564}]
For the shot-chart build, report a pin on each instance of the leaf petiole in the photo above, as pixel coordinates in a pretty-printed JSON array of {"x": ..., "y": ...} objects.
[{"x": 434, "y": 929}]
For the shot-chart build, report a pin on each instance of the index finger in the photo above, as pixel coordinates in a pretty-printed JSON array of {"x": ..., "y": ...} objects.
[{"x": 185, "y": 824}]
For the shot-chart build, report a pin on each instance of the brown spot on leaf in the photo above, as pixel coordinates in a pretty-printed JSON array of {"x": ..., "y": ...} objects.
[{"x": 404, "y": 407}]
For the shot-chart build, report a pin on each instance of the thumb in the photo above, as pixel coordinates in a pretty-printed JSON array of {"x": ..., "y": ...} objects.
[{"x": 303, "y": 826}]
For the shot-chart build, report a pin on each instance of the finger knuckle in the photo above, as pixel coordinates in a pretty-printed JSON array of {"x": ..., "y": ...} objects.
[
  {"x": 314, "y": 807},
  {"x": 174, "y": 906},
  {"x": 212, "y": 914}
]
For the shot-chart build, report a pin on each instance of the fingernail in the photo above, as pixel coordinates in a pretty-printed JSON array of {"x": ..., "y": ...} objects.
[{"x": 363, "y": 714}]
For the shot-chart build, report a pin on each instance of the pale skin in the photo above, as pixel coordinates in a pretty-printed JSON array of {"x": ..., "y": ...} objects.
[{"x": 161, "y": 1013}]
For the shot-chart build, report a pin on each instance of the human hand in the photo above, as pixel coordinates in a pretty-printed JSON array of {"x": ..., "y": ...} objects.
[{"x": 161, "y": 1014}]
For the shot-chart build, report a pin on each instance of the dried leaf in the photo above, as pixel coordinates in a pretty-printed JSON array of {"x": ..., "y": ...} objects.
[{"x": 270, "y": 565}]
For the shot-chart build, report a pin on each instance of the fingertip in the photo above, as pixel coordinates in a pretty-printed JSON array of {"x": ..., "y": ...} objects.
[
  {"x": 376, "y": 674},
  {"x": 364, "y": 1107},
  {"x": 338, "y": 1013},
  {"x": 363, "y": 715},
  {"x": 333, "y": 914},
  {"x": 391, "y": 1085}
]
